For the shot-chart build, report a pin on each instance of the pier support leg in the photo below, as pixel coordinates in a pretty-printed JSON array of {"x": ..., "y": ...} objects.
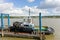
[
  {"x": 43, "y": 36},
  {"x": 40, "y": 35},
  {"x": 2, "y": 33}
]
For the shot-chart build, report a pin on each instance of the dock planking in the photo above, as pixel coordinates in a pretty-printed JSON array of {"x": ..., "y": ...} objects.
[{"x": 19, "y": 34}]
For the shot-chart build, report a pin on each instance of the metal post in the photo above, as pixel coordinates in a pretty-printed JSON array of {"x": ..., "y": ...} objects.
[
  {"x": 29, "y": 14},
  {"x": 8, "y": 21},
  {"x": 42, "y": 36},
  {"x": 2, "y": 24},
  {"x": 40, "y": 25}
]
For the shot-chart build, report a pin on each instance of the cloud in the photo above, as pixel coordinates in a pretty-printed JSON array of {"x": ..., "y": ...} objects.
[
  {"x": 5, "y": 6},
  {"x": 49, "y": 4},
  {"x": 52, "y": 6},
  {"x": 8, "y": 8},
  {"x": 30, "y": 0},
  {"x": 35, "y": 11},
  {"x": 15, "y": 11},
  {"x": 47, "y": 7},
  {"x": 1, "y": 1}
]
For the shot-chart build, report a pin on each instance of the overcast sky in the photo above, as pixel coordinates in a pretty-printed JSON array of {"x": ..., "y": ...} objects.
[{"x": 21, "y": 7}]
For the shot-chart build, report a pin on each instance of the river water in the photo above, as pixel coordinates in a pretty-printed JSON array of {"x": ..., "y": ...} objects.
[{"x": 50, "y": 22}]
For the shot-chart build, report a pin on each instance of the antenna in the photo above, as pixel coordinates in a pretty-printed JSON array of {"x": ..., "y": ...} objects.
[
  {"x": 29, "y": 20},
  {"x": 29, "y": 14}
]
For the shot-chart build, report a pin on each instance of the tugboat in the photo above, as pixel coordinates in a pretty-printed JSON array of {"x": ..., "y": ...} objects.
[{"x": 25, "y": 26}]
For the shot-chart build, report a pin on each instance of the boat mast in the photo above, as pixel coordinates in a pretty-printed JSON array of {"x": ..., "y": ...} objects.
[
  {"x": 29, "y": 18},
  {"x": 29, "y": 14}
]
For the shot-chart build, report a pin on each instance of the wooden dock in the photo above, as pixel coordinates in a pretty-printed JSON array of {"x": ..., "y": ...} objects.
[
  {"x": 24, "y": 35},
  {"x": 12, "y": 34}
]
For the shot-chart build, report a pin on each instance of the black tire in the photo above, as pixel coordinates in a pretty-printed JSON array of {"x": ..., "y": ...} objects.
[{"x": 17, "y": 24}]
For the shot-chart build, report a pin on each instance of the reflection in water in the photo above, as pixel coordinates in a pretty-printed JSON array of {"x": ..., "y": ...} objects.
[
  {"x": 14, "y": 38},
  {"x": 48, "y": 37}
]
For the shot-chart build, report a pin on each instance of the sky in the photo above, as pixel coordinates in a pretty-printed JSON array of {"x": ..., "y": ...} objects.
[{"x": 21, "y": 7}]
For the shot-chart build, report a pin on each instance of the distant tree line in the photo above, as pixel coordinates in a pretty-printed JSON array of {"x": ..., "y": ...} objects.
[
  {"x": 32, "y": 16},
  {"x": 50, "y": 16}
]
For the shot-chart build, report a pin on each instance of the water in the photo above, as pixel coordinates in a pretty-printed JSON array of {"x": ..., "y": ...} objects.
[
  {"x": 51, "y": 22},
  {"x": 14, "y": 38},
  {"x": 54, "y": 23}
]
